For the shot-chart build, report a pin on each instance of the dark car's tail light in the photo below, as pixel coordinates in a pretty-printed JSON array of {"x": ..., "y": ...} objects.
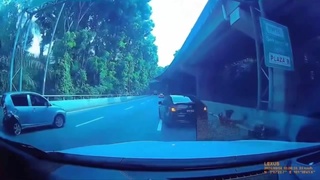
[{"x": 172, "y": 109}]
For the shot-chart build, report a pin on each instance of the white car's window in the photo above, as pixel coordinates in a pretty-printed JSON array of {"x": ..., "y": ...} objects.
[
  {"x": 37, "y": 100},
  {"x": 20, "y": 100}
]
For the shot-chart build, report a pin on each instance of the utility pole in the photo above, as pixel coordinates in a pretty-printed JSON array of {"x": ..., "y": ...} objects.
[
  {"x": 14, "y": 50},
  {"x": 24, "y": 47},
  {"x": 49, "y": 51}
]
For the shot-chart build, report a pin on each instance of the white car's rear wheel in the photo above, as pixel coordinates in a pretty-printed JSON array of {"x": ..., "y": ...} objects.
[{"x": 16, "y": 128}]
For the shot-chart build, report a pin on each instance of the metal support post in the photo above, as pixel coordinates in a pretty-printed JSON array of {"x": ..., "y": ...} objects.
[
  {"x": 270, "y": 70},
  {"x": 258, "y": 56}
]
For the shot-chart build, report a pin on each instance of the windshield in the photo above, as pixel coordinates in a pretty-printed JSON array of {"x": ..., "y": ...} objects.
[{"x": 79, "y": 73}]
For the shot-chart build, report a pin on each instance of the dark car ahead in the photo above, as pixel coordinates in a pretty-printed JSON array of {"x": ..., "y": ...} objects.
[{"x": 180, "y": 109}]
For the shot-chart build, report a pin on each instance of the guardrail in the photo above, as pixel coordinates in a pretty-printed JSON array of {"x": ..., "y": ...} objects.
[
  {"x": 74, "y": 104},
  {"x": 73, "y": 97}
]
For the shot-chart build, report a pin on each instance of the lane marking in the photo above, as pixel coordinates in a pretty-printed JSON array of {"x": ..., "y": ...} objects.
[
  {"x": 87, "y": 109},
  {"x": 159, "y": 125},
  {"x": 128, "y": 108},
  {"x": 102, "y": 106},
  {"x": 93, "y": 120}
]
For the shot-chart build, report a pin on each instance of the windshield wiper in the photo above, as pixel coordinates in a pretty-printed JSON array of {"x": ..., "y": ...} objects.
[{"x": 26, "y": 148}]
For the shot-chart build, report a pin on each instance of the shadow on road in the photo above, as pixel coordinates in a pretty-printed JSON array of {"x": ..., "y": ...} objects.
[
  {"x": 212, "y": 130},
  {"x": 36, "y": 129},
  {"x": 29, "y": 130},
  {"x": 179, "y": 132}
]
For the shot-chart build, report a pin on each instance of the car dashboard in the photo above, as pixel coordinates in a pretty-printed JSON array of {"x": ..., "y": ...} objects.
[{"x": 16, "y": 164}]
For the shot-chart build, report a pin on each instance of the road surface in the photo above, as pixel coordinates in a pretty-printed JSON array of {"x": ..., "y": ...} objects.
[{"x": 135, "y": 120}]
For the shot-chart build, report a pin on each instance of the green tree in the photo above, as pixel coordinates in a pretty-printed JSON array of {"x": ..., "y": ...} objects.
[{"x": 100, "y": 47}]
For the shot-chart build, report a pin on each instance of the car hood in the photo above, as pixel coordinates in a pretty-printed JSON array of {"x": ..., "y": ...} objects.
[{"x": 186, "y": 150}]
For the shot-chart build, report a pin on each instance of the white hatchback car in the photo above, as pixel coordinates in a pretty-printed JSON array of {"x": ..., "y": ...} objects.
[{"x": 23, "y": 110}]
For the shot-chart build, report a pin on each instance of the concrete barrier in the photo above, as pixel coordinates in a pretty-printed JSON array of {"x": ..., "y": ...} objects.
[{"x": 287, "y": 125}]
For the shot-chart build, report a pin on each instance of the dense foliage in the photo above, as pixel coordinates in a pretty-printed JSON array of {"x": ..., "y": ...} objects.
[{"x": 100, "y": 47}]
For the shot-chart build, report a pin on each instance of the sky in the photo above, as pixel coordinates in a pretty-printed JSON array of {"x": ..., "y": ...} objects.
[{"x": 173, "y": 20}]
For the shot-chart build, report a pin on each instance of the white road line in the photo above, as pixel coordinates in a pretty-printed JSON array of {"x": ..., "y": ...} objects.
[
  {"x": 159, "y": 125},
  {"x": 128, "y": 108},
  {"x": 87, "y": 109},
  {"x": 93, "y": 120}
]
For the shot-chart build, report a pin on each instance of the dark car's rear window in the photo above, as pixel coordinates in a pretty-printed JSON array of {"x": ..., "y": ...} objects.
[
  {"x": 196, "y": 100},
  {"x": 181, "y": 99}
]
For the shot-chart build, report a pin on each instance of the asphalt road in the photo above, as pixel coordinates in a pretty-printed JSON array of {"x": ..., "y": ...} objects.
[{"x": 135, "y": 120}]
